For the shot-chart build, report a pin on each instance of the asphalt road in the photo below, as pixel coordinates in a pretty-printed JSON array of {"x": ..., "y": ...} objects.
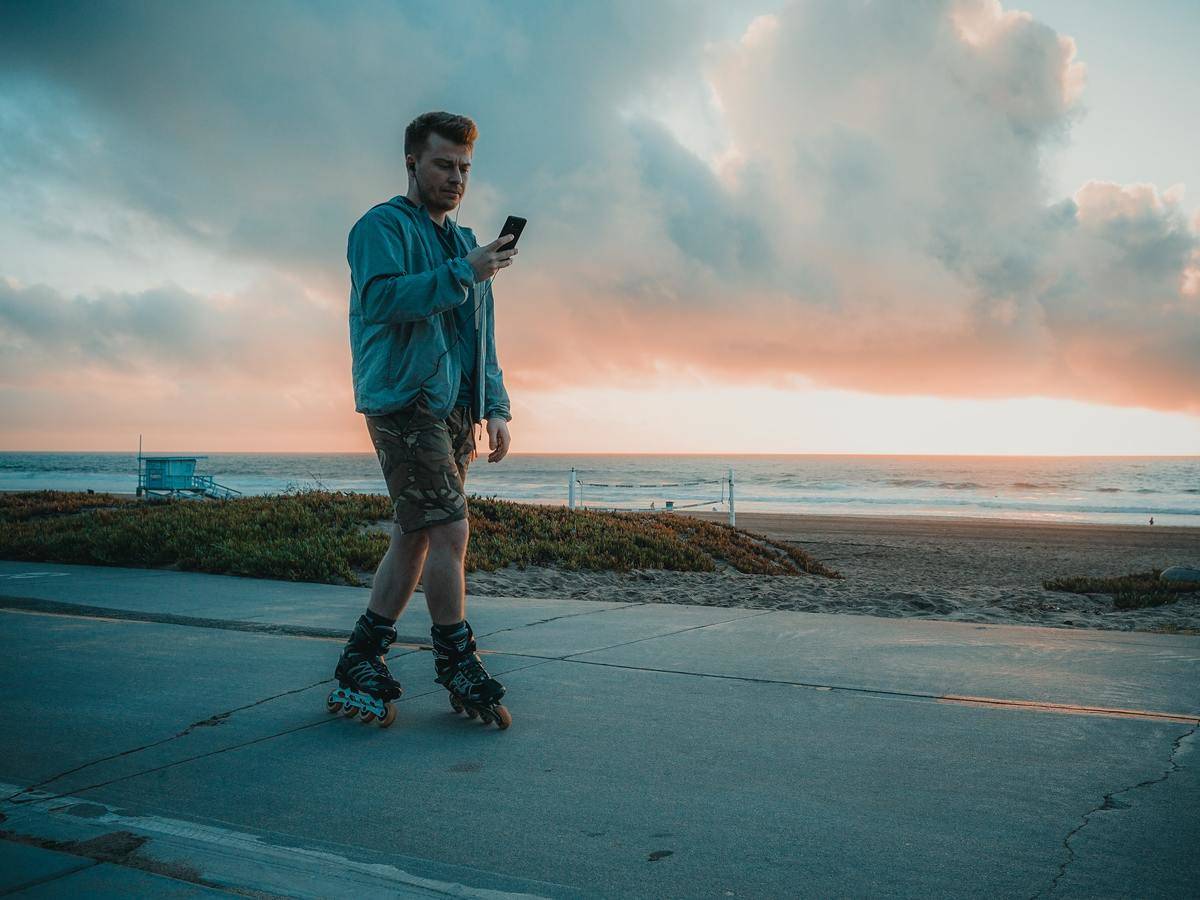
[{"x": 171, "y": 727}]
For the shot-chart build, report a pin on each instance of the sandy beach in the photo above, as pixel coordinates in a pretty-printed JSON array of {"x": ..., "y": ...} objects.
[{"x": 974, "y": 570}]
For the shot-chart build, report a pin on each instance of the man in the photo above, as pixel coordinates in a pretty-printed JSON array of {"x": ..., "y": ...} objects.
[{"x": 425, "y": 372}]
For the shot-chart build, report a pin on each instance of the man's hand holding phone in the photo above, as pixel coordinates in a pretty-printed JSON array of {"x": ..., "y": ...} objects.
[{"x": 489, "y": 259}]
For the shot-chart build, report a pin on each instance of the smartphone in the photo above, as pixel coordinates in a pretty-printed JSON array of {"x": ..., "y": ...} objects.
[{"x": 513, "y": 225}]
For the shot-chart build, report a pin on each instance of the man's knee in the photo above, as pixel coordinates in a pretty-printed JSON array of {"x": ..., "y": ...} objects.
[{"x": 448, "y": 536}]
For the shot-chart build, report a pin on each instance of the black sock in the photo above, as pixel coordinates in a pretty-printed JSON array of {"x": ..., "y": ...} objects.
[{"x": 375, "y": 620}]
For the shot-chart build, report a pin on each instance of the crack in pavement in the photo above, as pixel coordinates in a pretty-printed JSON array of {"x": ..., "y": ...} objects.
[
  {"x": 1109, "y": 803},
  {"x": 218, "y": 718},
  {"x": 49, "y": 607},
  {"x": 42, "y": 796},
  {"x": 215, "y": 719}
]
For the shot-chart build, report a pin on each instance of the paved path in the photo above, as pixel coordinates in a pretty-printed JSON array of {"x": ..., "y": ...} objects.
[{"x": 165, "y": 733}]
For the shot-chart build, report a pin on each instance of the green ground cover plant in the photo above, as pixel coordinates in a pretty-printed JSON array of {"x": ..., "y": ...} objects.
[
  {"x": 325, "y": 536},
  {"x": 1136, "y": 591}
]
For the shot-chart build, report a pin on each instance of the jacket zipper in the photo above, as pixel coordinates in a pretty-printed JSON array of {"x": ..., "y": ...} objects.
[{"x": 481, "y": 351}]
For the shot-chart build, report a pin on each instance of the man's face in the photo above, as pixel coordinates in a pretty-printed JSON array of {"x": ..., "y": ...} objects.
[{"x": 442, "y": 171}]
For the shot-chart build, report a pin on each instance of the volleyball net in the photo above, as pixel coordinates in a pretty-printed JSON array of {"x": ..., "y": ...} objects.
[{"x": 652, "y": 497}]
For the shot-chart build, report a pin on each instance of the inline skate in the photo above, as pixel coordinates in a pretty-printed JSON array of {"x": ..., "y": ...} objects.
[
  {"x": 365, "y": 686},
  {"x": 460, "y": 671}
]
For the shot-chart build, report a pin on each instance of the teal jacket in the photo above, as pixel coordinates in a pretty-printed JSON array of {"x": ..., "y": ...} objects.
[{"x": 403, "y": 333}]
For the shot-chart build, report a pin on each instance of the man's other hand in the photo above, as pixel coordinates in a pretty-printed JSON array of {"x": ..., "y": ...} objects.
[{"x": 498, "y": 439}]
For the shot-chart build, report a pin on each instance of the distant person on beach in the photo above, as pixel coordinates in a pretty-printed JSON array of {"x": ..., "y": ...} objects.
[{"x": 425, "y": 373}]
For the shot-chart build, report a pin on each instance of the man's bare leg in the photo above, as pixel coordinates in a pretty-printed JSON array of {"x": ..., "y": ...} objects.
[
  {"x": 398, "y": 573},
  {"x": 459, "y": 668},
  {"x": 445, "y": 583},
  {"x": 364, "y": 683}
]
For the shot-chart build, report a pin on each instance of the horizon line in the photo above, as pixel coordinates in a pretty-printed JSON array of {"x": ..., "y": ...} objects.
[{"x": 655, "y": 453}]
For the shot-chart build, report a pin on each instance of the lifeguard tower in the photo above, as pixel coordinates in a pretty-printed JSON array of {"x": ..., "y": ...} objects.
[{"x": 175, "y": 476}]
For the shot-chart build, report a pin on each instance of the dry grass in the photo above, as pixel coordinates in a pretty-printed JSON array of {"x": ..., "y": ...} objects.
[
  {"x": 322, "y": 536},
  {"x": 1136, "y": 591}
]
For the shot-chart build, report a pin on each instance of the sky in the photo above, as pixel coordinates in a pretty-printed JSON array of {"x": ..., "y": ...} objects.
[{"x": 951, "y": 226}]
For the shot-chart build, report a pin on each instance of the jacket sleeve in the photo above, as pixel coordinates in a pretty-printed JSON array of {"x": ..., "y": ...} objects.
[
  {"x": 387, "y": 294},
  {"x": 497, "y": 396}
]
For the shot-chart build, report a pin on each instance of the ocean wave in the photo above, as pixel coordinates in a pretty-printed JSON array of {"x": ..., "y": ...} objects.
[
  {"x": 967, "y": 503},
  {"x": 938, "y": 485},
  {"x": 51, "y": 470}
]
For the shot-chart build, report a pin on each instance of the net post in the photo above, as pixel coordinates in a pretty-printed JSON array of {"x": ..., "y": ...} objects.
[
  {"x": 732, "y": 511},
  {"x": 571, "y": 491}
]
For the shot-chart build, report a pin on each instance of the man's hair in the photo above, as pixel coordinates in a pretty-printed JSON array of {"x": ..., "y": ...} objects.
[{"x": 459, "y": 129}]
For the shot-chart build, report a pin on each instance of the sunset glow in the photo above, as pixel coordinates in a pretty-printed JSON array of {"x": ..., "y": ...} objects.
[{"x": 918, "y": 255}]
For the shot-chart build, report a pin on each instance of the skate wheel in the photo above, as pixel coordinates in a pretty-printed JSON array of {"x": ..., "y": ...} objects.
[
  {"x": 350, "y": 712},
  {"x": 471, "y": 712},
  {"x": 455, "y": 704},
  {"x": 367, "y": 717},
  {"x": 389, "y": 717},
  {"x": 503, "y": 718},
  {"x": 334, "y": 706}
]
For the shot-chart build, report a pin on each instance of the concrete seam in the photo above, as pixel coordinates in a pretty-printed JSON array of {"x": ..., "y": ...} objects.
[
  {"x": 1106, "y": 803},
  {"x": 56, "y": 607},
  {"x": 882, "y": 692},
  {"x": 41, "y": 606},
  {"x": 570, "y": 656},
  {"x": 590, "y": 612}
]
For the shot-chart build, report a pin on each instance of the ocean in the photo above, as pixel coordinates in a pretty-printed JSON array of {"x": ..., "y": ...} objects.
[{"x": 1128, "y": 490}]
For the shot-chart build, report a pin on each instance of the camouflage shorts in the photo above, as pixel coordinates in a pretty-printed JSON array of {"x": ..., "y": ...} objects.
[{"x": 424, "y": 461}]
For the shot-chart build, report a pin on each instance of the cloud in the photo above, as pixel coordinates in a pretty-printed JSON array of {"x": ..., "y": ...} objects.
[
  {"x": 830, "y": 194},
  {"x": 266, "y": 129},
  {"x": 886, "y": 158},
  {"x": 272, "y": 337}
]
